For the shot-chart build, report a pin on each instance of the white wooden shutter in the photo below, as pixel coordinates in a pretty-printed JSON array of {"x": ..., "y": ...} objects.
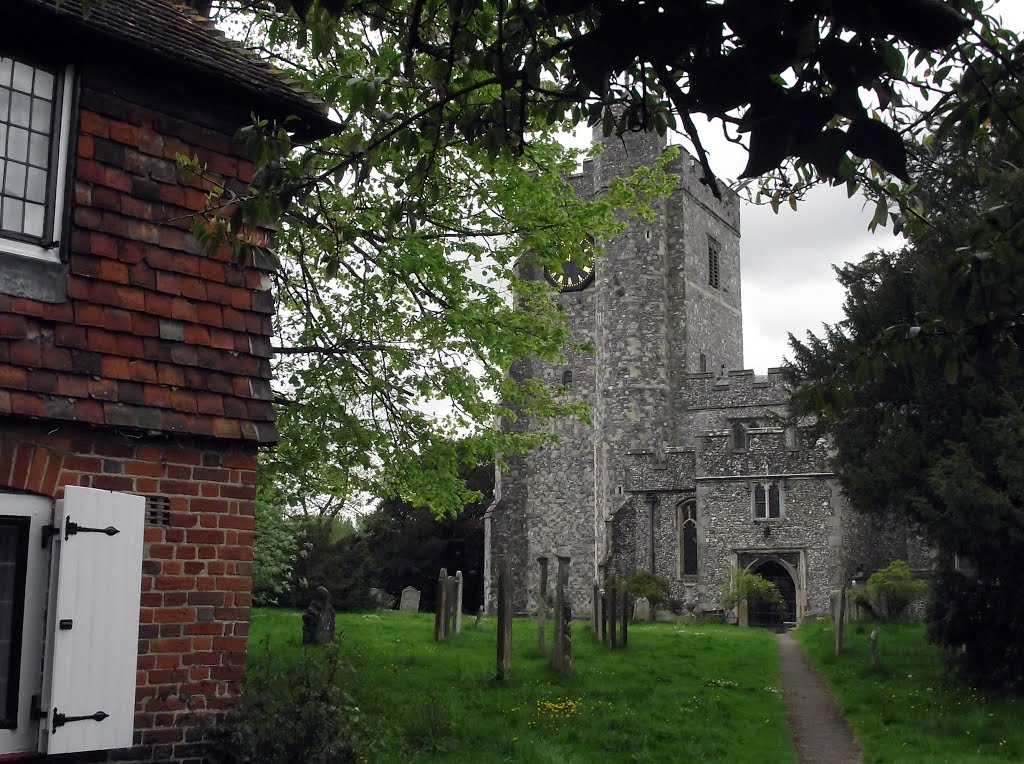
[{"x": 93, "y": 625}]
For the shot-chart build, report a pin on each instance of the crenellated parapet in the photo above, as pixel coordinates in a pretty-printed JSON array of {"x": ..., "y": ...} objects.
[{"x": 735, "y": 389}]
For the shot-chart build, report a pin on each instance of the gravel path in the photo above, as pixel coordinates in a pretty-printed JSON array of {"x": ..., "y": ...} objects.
[{"x": 820, "y": 733}]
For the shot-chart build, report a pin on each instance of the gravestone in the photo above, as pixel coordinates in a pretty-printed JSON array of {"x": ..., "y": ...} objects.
[
  {"x": 874, "y": 648},
  {"x": 542, "y": 603},
  {"x": 566, "y": 663},
  {"x": 558, "y": 640},
  {"x": 504, "y": 618},
  {"x": 410, "y": 600},
  {"x": 613, "y": 612},
  {"x": 479, "y": 615},
  {"x": 318, "y": 620},
  {"x": 458, "y": 601},
  {"x": 642, "y": 609},
  {"x": 840, "y": 616},
  {"x": 449, "y": 601},
  {"x": 625, "y": 616},
  {"x": 381, "y": 599},
  {"x": 595, "y": 608}
]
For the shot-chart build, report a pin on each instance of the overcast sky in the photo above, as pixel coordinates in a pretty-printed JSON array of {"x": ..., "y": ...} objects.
[{"x": 788, "y": 281}]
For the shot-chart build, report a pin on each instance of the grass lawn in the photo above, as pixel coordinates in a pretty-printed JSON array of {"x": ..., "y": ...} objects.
[
  {"x": 679, "y": 693},
  {"x": 909, "y": 709}
]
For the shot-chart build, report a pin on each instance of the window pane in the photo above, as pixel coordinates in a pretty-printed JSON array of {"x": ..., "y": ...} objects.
[
  {"x": 17, "y": 144},
  {"x": 11, "y": 213},
  {"x": 759, "y": 501},
  {"x": 43, "y": 86},
  {"x": 35, "y": 217},
  {"x": 5, "y": 104},
  {"x": 690, "y": 550},
  {"x": 5, "y": 71},
  {"x": 22, "y": 77},
  {"x": 35, "y": 190},
  {"x": 14, "y": 180},
  {"x": 773, "y": 501},
  {"x": 42, "y": 112},
  {"x": 21, "y": 108},
  {"x": 38, "y": 150}
]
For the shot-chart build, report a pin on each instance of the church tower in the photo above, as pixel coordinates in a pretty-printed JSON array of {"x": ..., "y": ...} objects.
[{"x": 664, "y": 301}]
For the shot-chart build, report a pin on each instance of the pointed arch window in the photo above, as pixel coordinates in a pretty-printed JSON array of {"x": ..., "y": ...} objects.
[
  {"x": 687, "y": 514},
  {"x": 567, "y": 379},
  {"x": 740, "y": 439},
  {"x": 767, "y": 501}
]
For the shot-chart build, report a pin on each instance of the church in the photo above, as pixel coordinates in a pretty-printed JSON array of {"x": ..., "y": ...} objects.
[{"x": 690, "y": 468}]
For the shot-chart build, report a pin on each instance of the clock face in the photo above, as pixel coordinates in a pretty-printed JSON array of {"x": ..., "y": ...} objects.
[{"x": 572, "y": 277}]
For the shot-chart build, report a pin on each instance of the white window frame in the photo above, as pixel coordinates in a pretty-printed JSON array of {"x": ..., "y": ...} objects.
[{"x": 63, "y": 140}]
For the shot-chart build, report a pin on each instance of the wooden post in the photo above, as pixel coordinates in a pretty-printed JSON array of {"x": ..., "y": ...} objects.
[
  {"x": 626, "y": 615},
  {"x": 504, "y": 618},
  {"x": 542, "y": 604},
  {"x": 840, "y": 619},
  {"x": 613, "y": 612},
  {"x": 440, "y": 606}
]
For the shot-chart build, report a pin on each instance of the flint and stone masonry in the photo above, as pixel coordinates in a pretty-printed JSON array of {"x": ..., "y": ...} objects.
[{"x": 678, "y": 441}]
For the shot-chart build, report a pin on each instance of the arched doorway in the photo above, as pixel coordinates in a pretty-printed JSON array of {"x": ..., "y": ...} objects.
[{"x": 759, "y": 614}]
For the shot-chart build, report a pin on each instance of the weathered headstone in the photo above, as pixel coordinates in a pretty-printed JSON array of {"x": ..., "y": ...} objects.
[
  {"x": 440, "y": 621},
  {"x": 381, "y": 599},
  {"x": 458, "y": 601},
  {"x": 542, "y": 603},
  {"x": 318, "y": 620},
  {"x": 504, "y": 618},
  {"x": 479, "y": 615},
  {"x": 642, "y": 609},
  {"x": 410, "y": 600},
  {"x": 874, "y": 648},
  {"x": 566, "y": 663}
]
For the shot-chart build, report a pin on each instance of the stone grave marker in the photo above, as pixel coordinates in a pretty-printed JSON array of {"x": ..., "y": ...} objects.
[
  {"x": 410, "y": 600},
  {"x": 642, "y": 609},
  {"x": 440, "y": 621},
  {"x": 381, "y": 599},
  {"x": 542, "y": 604},
  {"x": 318, "y": 620}
]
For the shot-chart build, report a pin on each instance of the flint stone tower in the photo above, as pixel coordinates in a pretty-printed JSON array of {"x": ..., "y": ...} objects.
[{"x": 688, "y": 470}]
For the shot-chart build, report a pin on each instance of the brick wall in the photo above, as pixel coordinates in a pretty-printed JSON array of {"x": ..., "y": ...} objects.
[
  {"x": 196, "y": 571},
  {"x": 156, "y": 333}
]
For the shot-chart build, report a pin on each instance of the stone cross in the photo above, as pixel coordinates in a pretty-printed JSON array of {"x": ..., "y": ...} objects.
[
  {"x": 318, "y": 620},
  {"x": 458, "y": 601},
  {"x": 440, "y": 622},
  {"x": 410, "y": 600},
  {"x": 542, "y": 603},
  {"x": 504, "y": 619}
]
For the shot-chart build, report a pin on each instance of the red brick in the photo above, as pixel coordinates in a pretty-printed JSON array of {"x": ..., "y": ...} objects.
[
  {"x": 95, "y": 124},
  {"x": 175, "y": 615},
  {"x": 239, "y": 583},
  {"x": 85, "y": 146},
  {"x": 175, "y": 582},
  {"x": 124, "y": 133},
  {"x": 161, "y": 551}
]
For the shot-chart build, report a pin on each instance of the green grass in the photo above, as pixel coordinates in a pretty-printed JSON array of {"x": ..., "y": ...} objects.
[
  {"x": 909, "y": 709},
  {"x": 679, "y": 693}
]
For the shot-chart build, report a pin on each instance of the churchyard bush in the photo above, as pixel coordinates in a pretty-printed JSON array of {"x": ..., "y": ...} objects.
[
  {"x": 744, "y": 585},
  {"x": 293, "y": 710},
  {"x": 890, "y": 591},
  {"x": 643, "y": 583}
]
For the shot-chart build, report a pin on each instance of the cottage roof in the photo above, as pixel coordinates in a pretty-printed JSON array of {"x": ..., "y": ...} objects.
[{"x": 174, "y": 33}]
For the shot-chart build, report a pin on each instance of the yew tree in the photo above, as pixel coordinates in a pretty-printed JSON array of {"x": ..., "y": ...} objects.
[{"x": 921, "y": 386}]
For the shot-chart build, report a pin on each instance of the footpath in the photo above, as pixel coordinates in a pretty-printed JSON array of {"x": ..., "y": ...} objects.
[{"x": 820, "y": 733}]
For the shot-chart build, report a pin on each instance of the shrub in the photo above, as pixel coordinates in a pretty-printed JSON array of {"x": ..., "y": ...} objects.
[
  {"x": 744, "y": 585},
  {"x": 291, "y": 711},
  {"x": 274, "y": 552},
  {"x": 643, "y": 583},
  {"x": 889, "y": 591}
]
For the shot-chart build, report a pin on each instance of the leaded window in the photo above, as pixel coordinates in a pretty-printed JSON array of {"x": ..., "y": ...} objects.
[
  {"x": 30, "y": 107},
  {"x": 688, "y": 539},
  {"x": 767, "y": 499}
]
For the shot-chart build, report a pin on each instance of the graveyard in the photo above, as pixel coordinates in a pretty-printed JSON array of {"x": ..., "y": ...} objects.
[{"x": 697, "y": 691}]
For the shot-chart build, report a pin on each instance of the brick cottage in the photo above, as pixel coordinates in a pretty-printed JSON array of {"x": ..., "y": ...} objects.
[{"x": 134, "y": 378}]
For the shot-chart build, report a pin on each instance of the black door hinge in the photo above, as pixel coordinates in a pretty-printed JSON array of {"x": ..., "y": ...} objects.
[
  {"x": 59, "y": 719},
  {"x": 72, "y": 528}
]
